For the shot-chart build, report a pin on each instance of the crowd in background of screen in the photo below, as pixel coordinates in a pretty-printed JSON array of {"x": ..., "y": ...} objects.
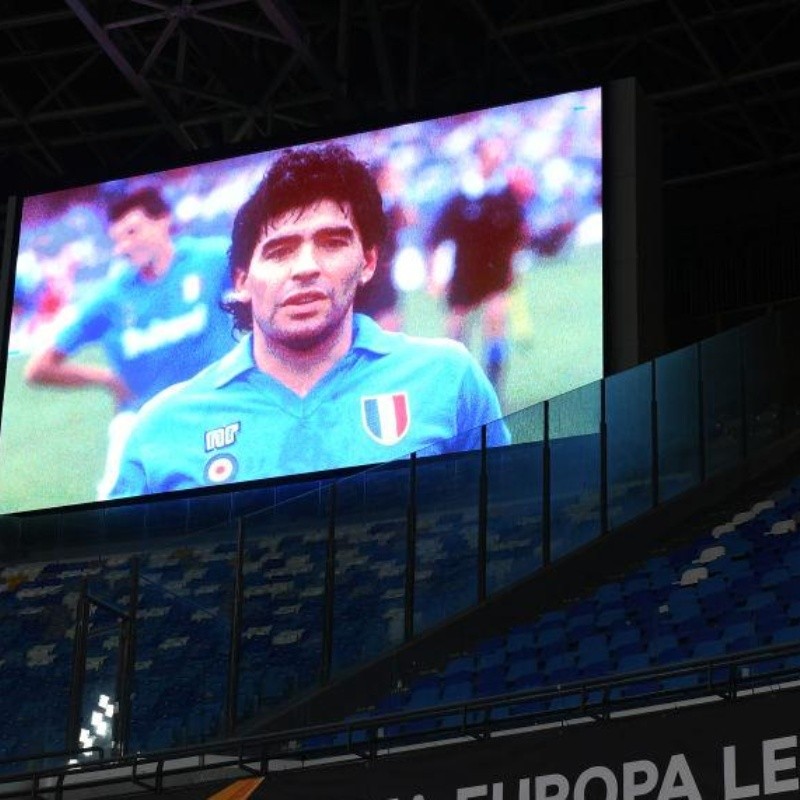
[{"x": 552, "y": 145}]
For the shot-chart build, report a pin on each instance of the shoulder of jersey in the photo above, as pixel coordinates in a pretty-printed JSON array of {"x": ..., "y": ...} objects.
[
  {"x": 152, "y": 408},
  {"x": 184, "y": 390},
  {"x": 435, "y": 346}
]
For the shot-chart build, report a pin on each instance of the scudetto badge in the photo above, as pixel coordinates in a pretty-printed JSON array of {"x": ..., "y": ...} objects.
[
  {"x": 386, "y": 417},
  {"x": 221, "y": 469}
]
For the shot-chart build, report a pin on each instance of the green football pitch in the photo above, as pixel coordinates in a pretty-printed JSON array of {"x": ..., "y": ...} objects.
[
  {"x": 53, "y": 441},
  {"x": 555, "y": 327}
]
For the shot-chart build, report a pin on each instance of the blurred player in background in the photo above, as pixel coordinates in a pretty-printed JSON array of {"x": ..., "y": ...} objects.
[
  {"x": 486, "y": 225},
  {"x": 158, "y": 317},
  {"x": 46, "y": 272}
]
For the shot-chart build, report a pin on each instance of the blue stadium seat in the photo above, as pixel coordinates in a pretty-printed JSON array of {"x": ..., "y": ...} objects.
[
  {"x": 610, "y": 617},
  {"x": 625, "y": 641},
  {"x": 786, "y": 634},
  {"x": 741, "y": 636},
  {"x": 760, "y": 599},
  {"x": 457, "y": 691},
  {"x": 490, "y": 682},
  {"x": 523, "y": 673},
  {"x": 709, "y": 648},
  {"x": 459, "y": 667},
  {"x": 634, "y": 662},
  {"x": 681, "y": 682},
  {"x": 551, "y": 639}
]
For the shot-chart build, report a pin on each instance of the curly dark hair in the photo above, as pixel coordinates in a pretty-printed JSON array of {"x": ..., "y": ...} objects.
[
  {"x": 297, "y": 179},
  {"x": 148, "y": 199}
]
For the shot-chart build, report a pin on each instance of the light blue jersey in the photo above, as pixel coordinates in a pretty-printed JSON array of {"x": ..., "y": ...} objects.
[
  {"x": 390, "y": 395},
  {"x": 158, "y": 332}
]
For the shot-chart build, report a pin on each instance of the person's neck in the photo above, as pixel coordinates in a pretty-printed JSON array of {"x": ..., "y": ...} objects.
[
  {"x": 160, "y": 264},
  {"x": 301, "y": 370}
]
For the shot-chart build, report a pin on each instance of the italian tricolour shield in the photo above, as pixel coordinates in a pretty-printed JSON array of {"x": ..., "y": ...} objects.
[{"x": 386, "y": 417}]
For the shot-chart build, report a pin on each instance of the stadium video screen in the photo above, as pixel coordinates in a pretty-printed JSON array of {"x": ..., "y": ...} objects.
[{"x": 335, "y": 304}]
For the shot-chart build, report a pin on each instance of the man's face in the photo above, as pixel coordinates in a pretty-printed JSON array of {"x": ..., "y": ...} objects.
[
  {"x": 304, "y": 273},
  {"x": 139, "y": 238}
]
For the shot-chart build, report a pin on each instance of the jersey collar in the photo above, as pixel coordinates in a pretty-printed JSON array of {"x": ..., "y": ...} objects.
[{"x": 368, "y": 337}]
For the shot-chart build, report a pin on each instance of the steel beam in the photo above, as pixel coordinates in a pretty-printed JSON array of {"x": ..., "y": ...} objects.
[
  {"x": 71, "y": 113},
  {"x": 273, "y": 87},
  {"x": 381, "y": 56},
  {"x": 735, "y": 169},
  {"x": 731, "y": 80},
  {"x": 30, "y": 56},
  {"x": 556, "y": 20},
  {"x": 711, "y": 63},
  {"x": 32, "y": 20},
  {"x": 412, "y": 74},
  {"x": 238, "y": 28},
  {"x": 34, "y": 136},
  {"x": 161, "y": 43},
  {"x": 496, "y": 35},
  {"x": 280, "y": 14},
  {"x": 66, "y": 81},
  {"x": 139, "y": 84}
]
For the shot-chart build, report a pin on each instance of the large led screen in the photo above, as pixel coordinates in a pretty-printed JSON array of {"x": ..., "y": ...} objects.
[{"x": 335, "y": 304}]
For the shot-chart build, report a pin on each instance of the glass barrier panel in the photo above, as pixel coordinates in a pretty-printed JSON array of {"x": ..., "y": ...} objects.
[
  {"x": 129, "y": 522},
  {"x": 789, "y": 335},
  {"x": 169, "y": 517},
  {"x": 206, "y": 511},
  {"x": 370, "y": 564},
  {"x": 183, "y": 634},
  {"x": 629, "y": 443},
  {"x": 251, "y": 501},
  {"x": 80, "y": 529},
  {"x": 721, "y": 373},
  {"x": 284, "y": 601},
  {"x": 514, "y": 500},
  {"x": 678, "y": 421},
  {"x": 40, "y": 533},
  {"x": 762, "y": 375},
  {"x": 36, "y": 624},
  {"x": 574, "y": 469},
  {"x": 11, "y": 538},
  {"x": 102, "y": 665},
  {"x": 292, "y": 498},
  {"x": 446, "y": 572}
]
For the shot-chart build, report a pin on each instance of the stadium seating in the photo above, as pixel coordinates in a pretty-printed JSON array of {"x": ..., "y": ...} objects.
[{"x": 732, "y": 590}]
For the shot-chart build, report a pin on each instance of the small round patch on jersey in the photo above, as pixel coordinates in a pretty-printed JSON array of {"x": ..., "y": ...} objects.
[{"x": 221, "y": 469}]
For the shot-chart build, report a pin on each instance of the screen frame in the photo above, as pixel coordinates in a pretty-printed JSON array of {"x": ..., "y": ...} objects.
[{"x": 340, "y": 130}]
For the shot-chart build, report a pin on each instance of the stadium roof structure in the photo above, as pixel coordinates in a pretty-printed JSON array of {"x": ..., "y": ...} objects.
[
  {"x": 91, "y": 89},
  {"x": 103, "y": 84}
]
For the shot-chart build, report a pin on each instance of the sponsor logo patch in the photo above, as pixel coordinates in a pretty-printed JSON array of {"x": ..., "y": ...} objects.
[
  {"x": 386, "y": 417},
  {"x": 221, "y": 469},
  {"x": 161, "y": 333},
  {"x": 224, "y": 436}
]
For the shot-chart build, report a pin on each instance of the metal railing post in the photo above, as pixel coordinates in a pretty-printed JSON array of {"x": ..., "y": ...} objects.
[
  {"x": 411, "y": 550},
  {"x": 78, "y": 678},
  {"x": 483, "y": 518},
  {"x": 234, "y": 651}
]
